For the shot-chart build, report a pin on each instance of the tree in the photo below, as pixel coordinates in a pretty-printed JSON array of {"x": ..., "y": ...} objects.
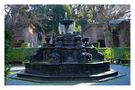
[
  {"x": 46, "y": 18},
  {"x": 101, "y": 14},
  {"x": 68, "y": 9},
  {"x": 83, "y": 14},
  {"x": 16, "y": 16},
  {"x": 8, "y": 48},
  {"x": 105, "y": 13},
  {"x": 40, "y": 17},
  {"x": 58, "y": 13}
]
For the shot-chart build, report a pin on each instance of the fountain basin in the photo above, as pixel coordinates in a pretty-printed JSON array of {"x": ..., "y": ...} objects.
[
  {"x": 67, "y": 69},
  {"x": 92, "y": 71}
]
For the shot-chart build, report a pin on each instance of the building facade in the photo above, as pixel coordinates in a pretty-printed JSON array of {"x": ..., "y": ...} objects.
[
  {"x": 95, "y": 33},
  {"x": 119, "y": 33},
  {"x": 26, "y": 35}
]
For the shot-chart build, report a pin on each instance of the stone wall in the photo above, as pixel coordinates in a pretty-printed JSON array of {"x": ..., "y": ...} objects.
[
  {"x": 124, "y": 33},
  {"x": 94, "y": 32},
  {"x": 25, "y": 34}
]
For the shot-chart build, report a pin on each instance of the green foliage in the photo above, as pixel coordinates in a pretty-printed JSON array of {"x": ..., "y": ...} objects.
[
  {"x": 20, "y": 54},
  {"x": 48, "y": 17},
  {"x": 68, "y": 9},
  {"x": 78, "y": 28},
  {"x": 116, "y": 53},
  {"x": 83, "y": 14},
  {"x": 97, "y": 45},
  {"x": 58, "y": 13},
  {"x": 109, "y": 54},
  {"x": 8, "y": 48},
  {"x": 122, "y": 53},
  {"x": 102, "y": 50},
  {"x": 25, "y": 45}
]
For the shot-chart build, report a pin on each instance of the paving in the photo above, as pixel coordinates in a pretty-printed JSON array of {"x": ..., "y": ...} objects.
[{"x": 123, "y": 80}]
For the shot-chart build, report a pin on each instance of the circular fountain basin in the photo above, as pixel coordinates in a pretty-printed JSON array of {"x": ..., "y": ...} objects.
[{"x": 92, "y": 71}]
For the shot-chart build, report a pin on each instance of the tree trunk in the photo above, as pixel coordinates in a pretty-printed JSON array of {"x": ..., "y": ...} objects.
[
  {"x": 108, "y": 36},
  {"x": 43, "y": 37}
]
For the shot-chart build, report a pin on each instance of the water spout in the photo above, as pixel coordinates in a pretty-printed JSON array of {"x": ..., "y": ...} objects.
[{"x": 65, "y": 15}]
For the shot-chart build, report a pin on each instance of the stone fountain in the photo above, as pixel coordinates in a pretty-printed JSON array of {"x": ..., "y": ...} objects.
[{"x": 69, "y": 57}]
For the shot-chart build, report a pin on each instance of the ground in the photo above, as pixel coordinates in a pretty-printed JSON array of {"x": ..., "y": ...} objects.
[{"x": 124, "y": 80}]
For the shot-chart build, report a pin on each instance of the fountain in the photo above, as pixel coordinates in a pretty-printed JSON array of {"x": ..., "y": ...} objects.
[{"x": 69, "y": 57}]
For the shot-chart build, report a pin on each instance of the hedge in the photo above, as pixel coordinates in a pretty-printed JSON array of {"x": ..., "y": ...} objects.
[
  {"x": 116, "y": 53},
  {"x": 19, "y": 54}
]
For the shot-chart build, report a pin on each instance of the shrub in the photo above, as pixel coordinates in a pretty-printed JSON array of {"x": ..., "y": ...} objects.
[
  {"x": 97, "y": 45},
  {"x": 117, "y": 53},
  {"x": 109, "y": 54},
  {"x": 122, "y": 53},
  {"x": 8, "y": 48},
  {"x": 20, "y": 54},
  {"x": 102, "y": 50},
  {"x": 25, "y": 45}
]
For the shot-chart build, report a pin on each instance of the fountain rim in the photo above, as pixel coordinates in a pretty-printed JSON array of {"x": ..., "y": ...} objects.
[{"x": 67, "y": 22}]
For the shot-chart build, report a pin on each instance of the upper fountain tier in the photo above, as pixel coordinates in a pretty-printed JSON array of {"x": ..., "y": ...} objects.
[
  {"x": 67, "y": 22},
  {"x": 66, "y": 26}
]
